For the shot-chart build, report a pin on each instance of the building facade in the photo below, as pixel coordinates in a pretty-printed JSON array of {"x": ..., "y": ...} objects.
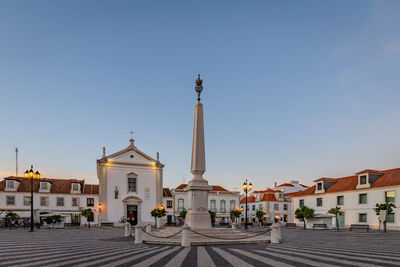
[
  {"x": 65, "y": 197},
  {"x": 220, "y": 200},
  {"x": 356, "y": 195},
  {"x": 130, "y": 186}
]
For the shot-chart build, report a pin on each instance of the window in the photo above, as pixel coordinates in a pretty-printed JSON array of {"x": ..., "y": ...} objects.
[
  {"x": 60, "y": 201},
  {"x": 363, "y": 179},
  {"x": 284, "y": 206},
  {"x": 27, "y": 200},
  {"x": 132, "y": 185},
  {"x": 90, "y": 202},
  {"x": 10, "y": 184},
  {"x": 340, "y": 200},
  {"x": 319, "y": 186},
  {"x": 44, "y": 201},
  {"x": 390, "y": 218},
  {"x": 362, "y": 217},
  {"x": 169, "y": 204},
  {"x": 43, "y": 186},
  {"x": 222, "y": 205},
  {"x": 276, "y": 206},
  {"x": 362, "y": 198},
  {"x": 10, "y": 200},
  {"x": 260, "y": 206},
  {"x": 254, "y": 207},
  {"x": 319, "y": 201},
  {"x": 75, "y": 187},
  {"x": 390, "y": 196},
  {"x": 180, "y": 204},
  {"x": 75, "y": 202},
  {"x": 233, "y": 204},
  {"x": 212, "y": 205},
  {"x": 301, "y": 203}
]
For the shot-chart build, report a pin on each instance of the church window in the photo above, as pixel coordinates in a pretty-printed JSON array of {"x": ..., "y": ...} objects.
[{"x": 132, "y": 184}]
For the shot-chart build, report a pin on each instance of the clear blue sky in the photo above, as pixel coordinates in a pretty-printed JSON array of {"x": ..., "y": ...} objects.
[{"x": 292, "y": 89}]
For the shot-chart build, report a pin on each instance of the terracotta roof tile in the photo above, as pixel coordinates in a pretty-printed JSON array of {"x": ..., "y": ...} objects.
[
  {"x": 166, "y": 192},
  {"x": 269, "y": 197},
  {"x": 249, "y": 200},
  {"x": 58, "y": 186},
  {"x": 286, "y": 184}
]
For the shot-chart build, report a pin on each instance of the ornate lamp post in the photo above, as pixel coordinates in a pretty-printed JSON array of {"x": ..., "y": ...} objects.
[
  {"x": 246, "y": 188},
  {"x": 31, "y": 175}
]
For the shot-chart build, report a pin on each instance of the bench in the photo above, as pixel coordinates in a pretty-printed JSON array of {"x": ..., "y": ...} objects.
[
  {"x": 319, "y": 225},
  {"x": 359, "y": 226},
  {"x": 290, "y": 225}
]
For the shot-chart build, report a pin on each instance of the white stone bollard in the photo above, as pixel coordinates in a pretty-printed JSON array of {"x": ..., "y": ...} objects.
[
  {"x": 138, "y": 234},
  {"x": 275, "y": 233},
  {"x": 127, "y": 229},
  {"x": 185, "y": 236},
  {"x": 234, "y": 226},
  {"x": 148, "y": 228},
  {"x": 158, "y": 222}
]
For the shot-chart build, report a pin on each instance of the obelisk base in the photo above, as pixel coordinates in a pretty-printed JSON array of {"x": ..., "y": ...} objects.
[{"x": 198, "y": 216}]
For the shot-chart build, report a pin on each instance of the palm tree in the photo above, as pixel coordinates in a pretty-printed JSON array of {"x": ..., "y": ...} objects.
[
  {"x": 337, "y": 212},
  {"x": 388, "y": 206},
  {"x": 304, "y": 213}
]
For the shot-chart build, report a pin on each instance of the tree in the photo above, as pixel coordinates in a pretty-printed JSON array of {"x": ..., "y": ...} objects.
[
  {"x": 182, "y": 214},
  {"x": 52, "y": 220},
  {"x": 154, "y": 213},
  {"x": 235, "y": 214},
  {"x": 337, "y": 212},
  {"x": 158, "y": 213},
  {"x": 304, "y": 213},
  {"x": 11, "y": 216},
  {"x": 260, "y": 214},
  {"x": 388, "y": 206},
  {"x": 212, "y": 215},
  {"x": 87, "y": 213}
]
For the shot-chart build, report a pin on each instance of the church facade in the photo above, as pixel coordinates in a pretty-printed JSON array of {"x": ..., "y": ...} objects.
[{"x": 130, "y": 186}]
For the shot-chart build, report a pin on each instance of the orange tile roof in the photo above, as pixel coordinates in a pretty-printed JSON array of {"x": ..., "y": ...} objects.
[
  {"x": 58, "y": 186},
  {"x": 388, "y": 178},
  {"x": 370, "y": 171},
  {"x": 269, "y": 197},
  {"x": 325, "y": 179},
  {"x": 286, "y": 184},
  {"x": 304, "y": 186},
  {"x": 249, "y": 200},
  {"x": 214, "y": 187},
  {"x": 166, "y": 192}
]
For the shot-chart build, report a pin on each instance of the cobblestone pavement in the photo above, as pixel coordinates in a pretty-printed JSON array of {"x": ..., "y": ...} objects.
[{"x": 106, "y": 247}]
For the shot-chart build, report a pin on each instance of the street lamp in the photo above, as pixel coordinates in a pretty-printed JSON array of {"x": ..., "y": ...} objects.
[
  {"x": 31, "y": 175},
  {"x": 246, "y": 188}
]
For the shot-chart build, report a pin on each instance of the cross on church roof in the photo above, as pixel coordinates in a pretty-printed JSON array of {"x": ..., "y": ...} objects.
[{"x": 131, "y": 134}]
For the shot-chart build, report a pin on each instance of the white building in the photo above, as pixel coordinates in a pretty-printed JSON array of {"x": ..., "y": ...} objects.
[
  {"x": 220, "y": 200},
  {"x": 168, "y": 204},
  {"x": 130, "y": 185},
  {"x": 356, "y": 195},
  {"x": 51, "y": 197},
  {"x": 275, "y": 203}
]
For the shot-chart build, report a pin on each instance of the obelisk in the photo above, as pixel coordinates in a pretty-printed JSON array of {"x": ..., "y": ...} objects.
[{"x": 197, "y": 189}]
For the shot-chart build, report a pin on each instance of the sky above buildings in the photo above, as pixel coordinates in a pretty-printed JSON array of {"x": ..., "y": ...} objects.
[{"x": 293, "y": 90}]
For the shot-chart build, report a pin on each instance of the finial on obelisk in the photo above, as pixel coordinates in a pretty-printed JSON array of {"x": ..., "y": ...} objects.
[
  {"x": 199, "y": 87},
  {"x": 104, "y": 151}
]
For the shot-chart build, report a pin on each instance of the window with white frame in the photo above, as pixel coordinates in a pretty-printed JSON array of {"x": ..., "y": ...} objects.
[
  {"x": 319, "y": 186},
  {"x": 362, "y": 217},
  {"x": 301, "y": 202},
  {"x": 212, "y": 205},
  {"x": 169, "y": 204},
  {"x": 276, "y": 206},
  {"x": 390, "y": 196},
  {"x": 362, "y": 198},
  {"x": 75, "y": 201},
  {"x": 319, "y": 201},
  {"x": 233, "y": 204},
  {"x": 27, "y": 200},
  {"x": 180, "y": 204},
  {"x": 363, "y": 179},
  {"x": 284, "y": 206},
  {"x": 10, "y": 184},
  {"x": 43, "y": 186},
  {"x": 90, "y": 202},
  {"x": 254, "y": 207},
  {"x": 44, "y": 201},
  {"x": 75, "y": 187},
  {"x": 10, "y": 200},
  {"x": 260, "y": 206},
  {"x": 60, "y": 201},
  {"x": 390, "y": 218},
  {"x": 222, "y": 204}
]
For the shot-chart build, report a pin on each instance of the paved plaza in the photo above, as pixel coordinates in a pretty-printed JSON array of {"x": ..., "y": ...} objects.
[{"x": 107, "y": 247}]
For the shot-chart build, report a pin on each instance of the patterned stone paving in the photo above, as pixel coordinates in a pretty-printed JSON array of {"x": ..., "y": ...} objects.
[{"x": 106, "y": 247}]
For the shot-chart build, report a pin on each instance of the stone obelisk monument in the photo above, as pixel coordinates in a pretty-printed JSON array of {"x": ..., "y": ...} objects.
[{"x": 198, "y": 216}]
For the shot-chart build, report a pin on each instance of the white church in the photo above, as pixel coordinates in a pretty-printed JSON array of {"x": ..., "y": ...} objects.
[{"x": 130, "y": 186}]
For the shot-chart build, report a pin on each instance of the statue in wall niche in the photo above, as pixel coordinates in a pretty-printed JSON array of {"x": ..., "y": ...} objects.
[{"x": 116, "y": 192}]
